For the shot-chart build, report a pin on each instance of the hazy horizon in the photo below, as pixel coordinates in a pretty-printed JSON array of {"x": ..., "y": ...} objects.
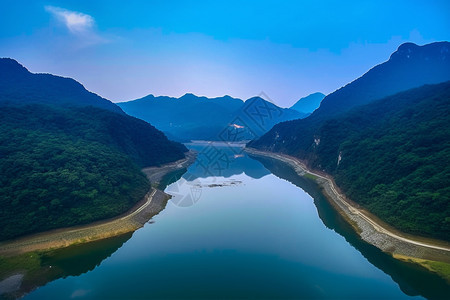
[{"x": 287, "y": 50}]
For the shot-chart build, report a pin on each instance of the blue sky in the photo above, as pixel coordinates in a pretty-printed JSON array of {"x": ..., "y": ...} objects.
[{"x": 124, "y": 50}]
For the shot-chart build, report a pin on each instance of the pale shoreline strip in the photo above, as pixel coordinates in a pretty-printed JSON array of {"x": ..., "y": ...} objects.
[
  {"x": 153, "y": 202},
  {"x": 370, "y": 230}
]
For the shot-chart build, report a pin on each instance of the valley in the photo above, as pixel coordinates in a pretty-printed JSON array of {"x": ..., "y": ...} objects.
[
  {"x": 214, "y": 236},
  {"x": 338, "y": 195}
]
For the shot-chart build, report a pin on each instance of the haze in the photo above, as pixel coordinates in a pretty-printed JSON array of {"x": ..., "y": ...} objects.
[{"x": 124, "y": 51}]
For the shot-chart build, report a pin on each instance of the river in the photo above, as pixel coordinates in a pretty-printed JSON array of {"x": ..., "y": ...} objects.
[{"x": 237, "y": 227}]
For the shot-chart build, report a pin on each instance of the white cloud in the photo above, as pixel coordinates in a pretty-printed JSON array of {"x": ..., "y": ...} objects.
[
  {"x": 80, "y": 26},
  {"x": 76, "y": 22}
]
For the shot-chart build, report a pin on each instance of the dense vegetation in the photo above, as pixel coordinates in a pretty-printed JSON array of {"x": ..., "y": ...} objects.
[
  {"x": 394, "y": 167},
  {"x": 65, "y": 166},
  {"x": 68, "y": 156},
  {"x": 51, "y": 179},
  {"x": 393, "y": 157},
  {"x": 199, "y": 118}
]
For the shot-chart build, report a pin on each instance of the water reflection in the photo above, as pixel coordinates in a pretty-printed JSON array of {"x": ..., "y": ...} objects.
[
  {"x": 215, "y": 165},
  {"x": 221, "y": 160},
  {"x": 413, "y": 279},
  {"x": 38, "y": 268},
  {"x": 259, "y": 239}
]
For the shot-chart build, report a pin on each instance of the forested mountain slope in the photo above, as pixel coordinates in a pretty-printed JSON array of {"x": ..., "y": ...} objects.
[
  {"x": 18, "y": 85},
  {"x": 410, "y": 66},
  {"x": 393, "y": 157},
  {"x": 63, "y": 164},
  {"x": 191, "y": 117}
]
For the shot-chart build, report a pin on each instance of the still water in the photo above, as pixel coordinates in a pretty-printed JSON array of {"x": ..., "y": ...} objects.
[{"x": 240, "y": 227}]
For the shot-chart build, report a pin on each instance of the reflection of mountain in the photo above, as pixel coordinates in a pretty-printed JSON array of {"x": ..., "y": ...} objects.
[
  {"x": 70, "y": 261},
  {"x": 79, "y": 259},
  {"x": 412, "y": 279},
  {"x": 225, "y": 161}
]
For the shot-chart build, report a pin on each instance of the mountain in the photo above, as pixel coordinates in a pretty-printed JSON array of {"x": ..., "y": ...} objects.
[
  {"x": 184, "y": 118},
  {"x": 67, "y": 163},
  {"x": 410, "y": 66},
  {"x": 257, "y": 116},
  {"x": 18, "y": 85},
  {"x": 393, "y": 157},
  {"x": 199, "y": 118},
  {"x": 308, "y": 104}
]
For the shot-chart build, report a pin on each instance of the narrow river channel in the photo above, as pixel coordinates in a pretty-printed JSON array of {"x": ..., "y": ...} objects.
[{"x": 238, "y": 227}]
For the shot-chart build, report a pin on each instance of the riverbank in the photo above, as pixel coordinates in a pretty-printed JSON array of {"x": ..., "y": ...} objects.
[
  {"x": 154, "y": 201},
  {"x": 434, "y": 255}
]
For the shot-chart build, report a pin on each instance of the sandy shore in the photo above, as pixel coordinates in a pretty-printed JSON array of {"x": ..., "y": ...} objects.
[
  {"x": 135, "y": 218},
  {"x": 371, "y": 230}
]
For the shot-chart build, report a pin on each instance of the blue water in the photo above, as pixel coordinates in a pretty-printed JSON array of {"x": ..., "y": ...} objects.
[{"x": 241, "y": 232}]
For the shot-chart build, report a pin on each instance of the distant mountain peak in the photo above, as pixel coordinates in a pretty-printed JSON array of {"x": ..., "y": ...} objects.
[
  {"x": 10, "y": 66},
  {"x": 308, "y": 104},
  {"x": 10, "y": 61},
  {"x": 316, "y": 94},
  {"x": 189, "y": 95},
  {"x": 408, "y": 47},
  {"x": 409, "y": 50},
  {"x": 255, "y": 98},
  {"x": 18, "y": 86},
  {"x": 405, "y": 50},
  {"x": 193, "y": 117},
  {"x": 192, "y": 97},
  {"x": 259, "y": 100},
  {"x": 411, "y": 66}
]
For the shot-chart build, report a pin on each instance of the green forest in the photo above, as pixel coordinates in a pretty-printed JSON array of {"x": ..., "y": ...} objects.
[
  {"x": 395, "y": 158},
  {"x": 65, "y": 166},
  {"x": 392, "y": 156}
]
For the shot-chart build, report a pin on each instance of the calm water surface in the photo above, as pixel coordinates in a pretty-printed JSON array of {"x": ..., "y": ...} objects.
[{"x": 238, "y": 227}]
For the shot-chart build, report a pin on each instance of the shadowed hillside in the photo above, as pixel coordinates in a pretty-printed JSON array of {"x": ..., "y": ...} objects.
[{"x": 69, "y": 162}]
